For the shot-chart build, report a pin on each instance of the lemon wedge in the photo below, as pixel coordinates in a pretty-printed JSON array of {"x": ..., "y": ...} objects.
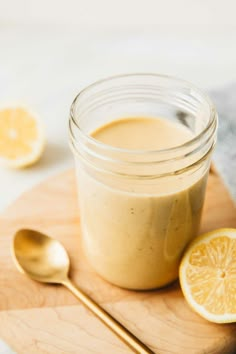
[
  {"x": 21, "y": 137},
  {"x": 208, "y": 275}
]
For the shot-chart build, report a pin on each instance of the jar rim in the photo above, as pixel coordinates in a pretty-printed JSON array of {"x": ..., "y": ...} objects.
[{"x": 137, "y": 152}]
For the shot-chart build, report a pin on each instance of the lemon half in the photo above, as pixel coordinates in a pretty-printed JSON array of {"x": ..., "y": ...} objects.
[
  {"x": 22, "y": 138},
  {"x": 208, "y": 275}
]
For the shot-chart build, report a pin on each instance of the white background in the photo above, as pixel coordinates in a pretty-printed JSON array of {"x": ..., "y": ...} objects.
[
  {"x": 122, "y": 12},
  {"x": 50, "y": 49}
]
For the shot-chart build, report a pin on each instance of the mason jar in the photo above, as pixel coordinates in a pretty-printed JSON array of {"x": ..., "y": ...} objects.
[{"x": 139, "y": 209}]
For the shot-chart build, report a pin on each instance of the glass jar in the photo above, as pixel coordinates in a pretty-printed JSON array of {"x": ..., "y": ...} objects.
[{"x": 139, "y": 209}]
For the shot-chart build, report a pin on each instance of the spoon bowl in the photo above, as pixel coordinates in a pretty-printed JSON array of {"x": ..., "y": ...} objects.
[{"x": 41, "y": 257}]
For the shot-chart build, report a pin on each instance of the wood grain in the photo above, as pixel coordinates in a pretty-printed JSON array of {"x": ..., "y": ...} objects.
[{"x": 36, "y": 318}]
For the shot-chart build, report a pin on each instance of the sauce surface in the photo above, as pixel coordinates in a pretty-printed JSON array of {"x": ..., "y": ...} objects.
[{"x": 142, "y": 134}]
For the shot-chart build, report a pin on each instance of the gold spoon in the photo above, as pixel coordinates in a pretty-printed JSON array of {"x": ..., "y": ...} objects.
[{"x": 44, "y": 259}]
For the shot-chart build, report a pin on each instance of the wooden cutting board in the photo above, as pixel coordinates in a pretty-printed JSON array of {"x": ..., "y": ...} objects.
[{"x": 36, "y": 318}]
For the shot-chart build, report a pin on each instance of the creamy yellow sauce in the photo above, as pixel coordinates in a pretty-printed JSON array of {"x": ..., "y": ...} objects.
[
  {"x": 142, "y": 134},
  {"x": 135, "y": 240}
]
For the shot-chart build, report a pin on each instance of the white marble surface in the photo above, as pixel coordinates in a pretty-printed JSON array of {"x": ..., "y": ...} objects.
[
  {"x": 5, "y": 349},
  {"x": 44, "y": 67}
]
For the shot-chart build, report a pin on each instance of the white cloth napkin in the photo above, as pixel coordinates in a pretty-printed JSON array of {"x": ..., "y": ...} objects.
[{"x": 225, "y": 154}]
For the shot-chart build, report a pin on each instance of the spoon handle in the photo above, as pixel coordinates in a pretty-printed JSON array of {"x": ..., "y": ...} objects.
[{"x": 122, "y": 332}]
